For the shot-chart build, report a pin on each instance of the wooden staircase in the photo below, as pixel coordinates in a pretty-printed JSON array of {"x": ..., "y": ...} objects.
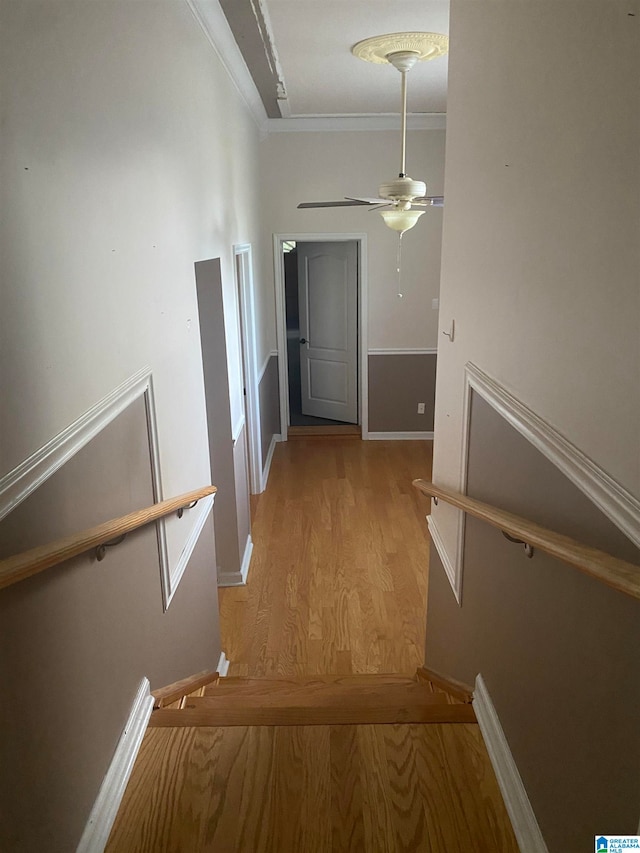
[
  {"x": 313, "y": 764},
  {"x": 207, "y": 700}
]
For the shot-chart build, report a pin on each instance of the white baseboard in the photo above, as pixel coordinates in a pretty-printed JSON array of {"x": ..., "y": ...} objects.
[
  {"x": 418, "y": 435},
  {"x": 523, "y": 819},
  {"x": 267, "y": 465},
  {"x": 238, "y": 578},
  {"x": 246, "y": 560},
  {"x": 223, "y": 665},
  {"x": 103, "y": 814}
]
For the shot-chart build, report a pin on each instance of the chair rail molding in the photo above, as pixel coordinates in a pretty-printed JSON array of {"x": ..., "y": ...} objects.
[
  {"x": 404, "y": 351},
  {"x": 618, "y": 504},
  {"x": 614, "y": 501},
  {"x": 23, "y": 480}
]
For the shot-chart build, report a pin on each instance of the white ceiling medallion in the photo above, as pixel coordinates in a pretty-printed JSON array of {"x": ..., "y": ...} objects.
[{"x": 379, "y": 49}]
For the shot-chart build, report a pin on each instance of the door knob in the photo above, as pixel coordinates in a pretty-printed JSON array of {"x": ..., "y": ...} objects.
[{"x": 303, "y": 340}]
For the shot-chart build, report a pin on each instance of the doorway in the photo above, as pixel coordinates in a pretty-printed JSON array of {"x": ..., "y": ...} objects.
[{"x": 322, "y": 352}]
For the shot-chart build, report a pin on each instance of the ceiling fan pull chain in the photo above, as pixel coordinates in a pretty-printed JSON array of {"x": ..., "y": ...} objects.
[{"x": 399, "y": 265}]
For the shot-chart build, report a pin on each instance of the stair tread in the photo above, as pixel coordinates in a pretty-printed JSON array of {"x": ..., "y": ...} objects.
[
  {"x": 286, "y": 694},
  {"x": 254, "y": 685},
  {"x": 296, "y": 715}
]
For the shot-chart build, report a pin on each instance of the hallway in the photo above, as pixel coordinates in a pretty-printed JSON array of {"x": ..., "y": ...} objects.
[{"x": 338, "y": 578}]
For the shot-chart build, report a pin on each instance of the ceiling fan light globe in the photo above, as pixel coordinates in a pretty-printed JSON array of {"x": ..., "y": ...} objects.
[{"x": 401, "y": 220}]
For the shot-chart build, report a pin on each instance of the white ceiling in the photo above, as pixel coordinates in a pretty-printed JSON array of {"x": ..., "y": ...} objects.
[{"x": 312, "y": 42}]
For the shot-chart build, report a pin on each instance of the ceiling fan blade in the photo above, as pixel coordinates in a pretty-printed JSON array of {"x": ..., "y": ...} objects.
[
  {"x": 381, "y": 206},
  {"x": 352, "y": 202},
  {"x": 429, "y": 201},
  {"x": 368, "y": 200}
]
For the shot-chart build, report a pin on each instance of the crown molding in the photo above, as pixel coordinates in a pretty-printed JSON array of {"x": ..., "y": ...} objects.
[
  {"x": 383, "y": 121},
  {"x": 212, "y": 20}
]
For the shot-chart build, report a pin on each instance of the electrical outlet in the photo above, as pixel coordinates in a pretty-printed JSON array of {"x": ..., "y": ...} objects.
[{"x": 421, "y": 408}]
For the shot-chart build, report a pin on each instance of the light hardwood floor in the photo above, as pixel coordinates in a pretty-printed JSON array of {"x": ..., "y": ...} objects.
[
  {"x": 313, "y": 789},
  {"x": 338, "y": 585},
  {"x": 339, "y": 571}
]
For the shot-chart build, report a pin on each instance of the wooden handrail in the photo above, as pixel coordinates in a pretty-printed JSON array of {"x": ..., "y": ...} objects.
[
  {"x": 612, "y": 571},
  {"x": 28, "y": 563}
]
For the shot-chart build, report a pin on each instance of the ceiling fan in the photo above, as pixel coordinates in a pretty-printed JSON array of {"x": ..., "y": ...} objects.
[{"x": 399, "y": 200}]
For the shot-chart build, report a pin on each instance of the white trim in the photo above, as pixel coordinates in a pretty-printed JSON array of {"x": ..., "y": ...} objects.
[
  {"x": 417, "y": 435},
  {"x": 246, "y": 560},
  {"x": 263, "y": 369},
  {"x": 450, "y": 567},
  {"x": 382, "y": 121},
  {"x": 105, "y": 808},
  {"x": 223, "y": 665},
  {"x": 19, "y": 483},
  {"x": 237, "y": 430},
  {"x": 212, "y": 20},
  {"x": 614, "y": 501},
  {"x": 363, "y": 328},
  {"x": 405, "y": 351},
  {"x": 238, "y": 578},
  {"x": 168, "y": 580},
  {"x": 519, "y": 809},
  {"x": 267, "y": 465},
  {"x": 619, "y": 505},
  {"x": 206, "y": 505},
  {"x": 243, "y": 270}
]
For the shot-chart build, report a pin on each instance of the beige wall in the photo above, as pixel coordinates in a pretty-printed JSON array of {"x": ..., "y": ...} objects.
[
  {"x": 540, "y": 263},
  {"x": 128, "y": 155},
  {"x": 558, "y": 650},
  {"x": 397, "y": 383},
  {"x": 77, "y": 640},
  {"x": 322, "y": 166}
]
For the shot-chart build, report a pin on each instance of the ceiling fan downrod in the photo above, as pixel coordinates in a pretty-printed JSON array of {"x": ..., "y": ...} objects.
[{"x": 403, "y": 61}]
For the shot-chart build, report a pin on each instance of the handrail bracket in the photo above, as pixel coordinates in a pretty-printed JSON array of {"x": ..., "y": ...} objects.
[
  {"x": 528, "y": 549},
  {"x": 101, "y": 550}
]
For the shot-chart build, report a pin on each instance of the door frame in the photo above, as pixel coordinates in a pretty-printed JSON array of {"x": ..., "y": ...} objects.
[
  {"x": 243, "y": 274},
  {"x": 281, "y": 322}
]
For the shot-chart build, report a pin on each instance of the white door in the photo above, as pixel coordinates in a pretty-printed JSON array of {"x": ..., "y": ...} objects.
[{"x": 328, "y": 306}]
